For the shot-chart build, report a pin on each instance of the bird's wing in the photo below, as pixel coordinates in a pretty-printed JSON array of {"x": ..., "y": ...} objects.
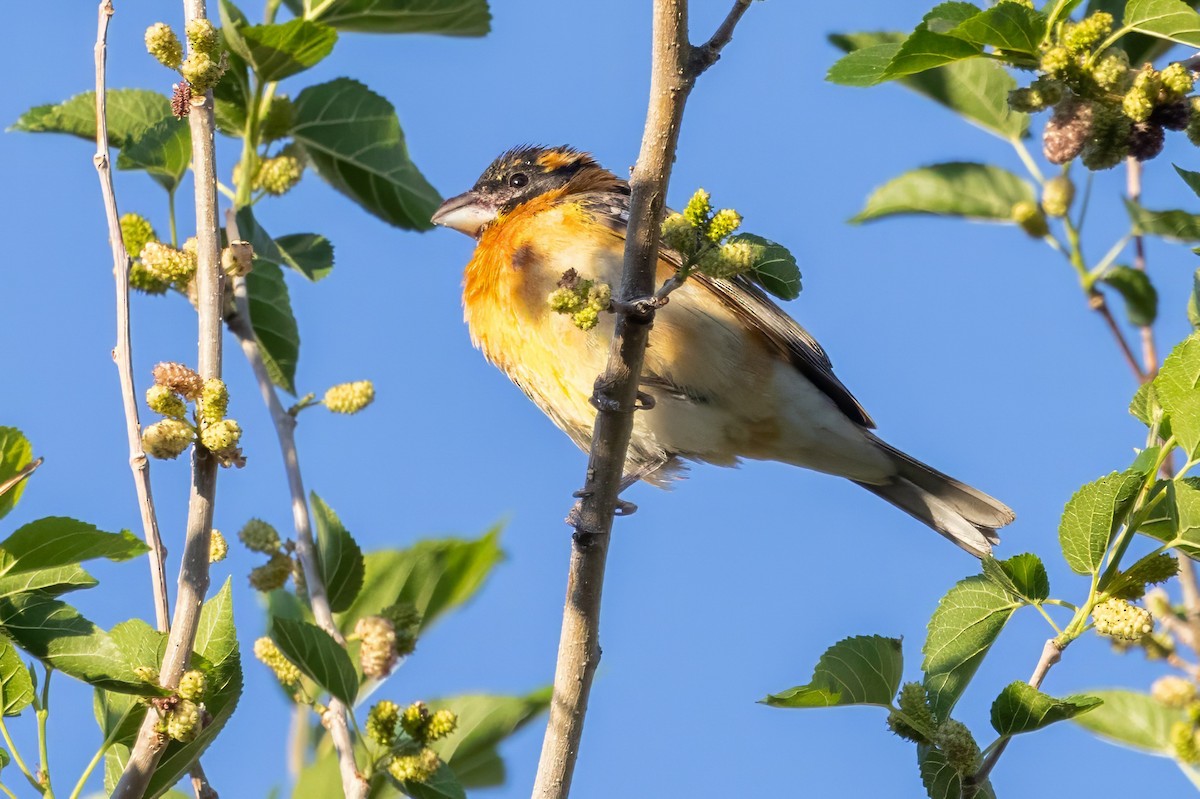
[{"x": 752, "y": 305}]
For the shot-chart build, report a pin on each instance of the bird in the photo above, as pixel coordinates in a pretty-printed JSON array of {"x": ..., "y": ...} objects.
[{"x": 730, "y": 374}]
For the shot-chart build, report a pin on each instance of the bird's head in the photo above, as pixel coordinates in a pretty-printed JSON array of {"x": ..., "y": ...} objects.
[{"x": 518, "y": 176}]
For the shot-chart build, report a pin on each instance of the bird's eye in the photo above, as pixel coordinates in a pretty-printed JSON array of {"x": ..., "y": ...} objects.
[{"x": 518, "y": 180}]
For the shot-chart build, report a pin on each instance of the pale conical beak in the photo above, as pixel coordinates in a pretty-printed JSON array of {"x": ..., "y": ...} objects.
[{"x": 467, "y": 213}]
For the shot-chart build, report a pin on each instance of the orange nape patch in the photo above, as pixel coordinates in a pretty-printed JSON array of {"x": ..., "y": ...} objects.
[{"x": 557, "y": 159}]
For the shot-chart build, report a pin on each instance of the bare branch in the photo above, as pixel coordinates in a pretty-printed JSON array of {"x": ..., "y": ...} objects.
[
  {"x": 334, "y": 719},
  {"x": 1099, "y": 304},
  {"x": 122, "y": 353},
  {"x": 193, "y": 570},
  {"x": 676, "y": 64}
]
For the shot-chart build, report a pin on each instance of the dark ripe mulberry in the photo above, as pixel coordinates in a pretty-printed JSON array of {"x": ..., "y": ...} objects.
[
  {"x": 1172, "y": 116},
  {"x": 1068, "y": 130},
  {"x": 1145, "y": 140}
]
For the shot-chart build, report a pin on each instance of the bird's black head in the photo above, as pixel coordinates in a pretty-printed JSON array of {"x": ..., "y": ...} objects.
[{"x": 516, "y": 177}]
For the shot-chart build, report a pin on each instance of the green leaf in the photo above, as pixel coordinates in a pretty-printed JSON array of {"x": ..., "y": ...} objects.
[
  {"x": 1173, "y": 20},
  {"x": 864, "y": 670},
  {"x": 1131, "y": 719},
  {"x": 316, "y": 654},
  {"x": 274, "y": 324},
  {"x": 307, "y": 253},
  {"x": 442, "y": 785},
  {"x": 55, "y": 633},
  {"x": 1175, "y": 225},
  {"x": 1091, "y": 516},
  {"x": 1192, "y": 179},
  {"x": 51, "y": 582},
  {"x": 115, "y": 760},
  {"x": 216, "y": 643},
  {"x": 164, "y": 150},
  {"x": 483, "y": 722},
  {"x": 976, "y": 89},
  {"x": 974, "y": 191},
  {"x": 448, "y": 17},
  {"x": 966, "y": 623},
  {"x": 941, "y": 780},
  {"x": 1007, "y": 26},
  {"x": 16, "y": 688},
  {"x": 353, "y": 139},
  {"x": 118, "y": 715},
  {"x": 925, "y": 50},
  {"x": 864, "y": 66},
  {"x": 338, "y": 557},
  {"x": 435, "y": 576},
  {"x": 130, "y": 113},
  {"x": 945, "y": 17},
  {"x": 1022, "y": 708},
  {"x": 1175, "y": 387},
  {"x": 59, "y": 541},
  {"x": 1175, "y": 518},
  {"x": 15, "y": 454},
  {"x": 276, "y": 52},
  {"x": 1139, "y": 47},
  {"x": 1134, "y": 286},
  {"x": 775, "y": 268},
  {"x": 1024, "y": 576},
  {"x": 232, "y": 95},
  {"x": 1193, "y": 307}
]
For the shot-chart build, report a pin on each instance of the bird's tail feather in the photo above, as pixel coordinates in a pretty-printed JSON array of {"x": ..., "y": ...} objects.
[{"x": 965, "y": 515}]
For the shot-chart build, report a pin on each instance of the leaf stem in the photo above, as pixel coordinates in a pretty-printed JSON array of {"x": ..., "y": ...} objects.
[
  {"x": 171, "y": 217},
  {"x": 1027, "y": 159},
  {"x": 1046, "y": 616},
  {"x": 43, "y": 714},
  {"x": 7, "y": 792}
]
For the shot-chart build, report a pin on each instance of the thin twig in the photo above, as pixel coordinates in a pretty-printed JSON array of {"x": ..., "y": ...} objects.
[
  {"x": 194, "y": 566},
  {"x": 675, "y": 67},
  {"x": 1099, "y": 304},
  {"x": 1051, "y": 654},
  {"x": 122, "y": 353},
  {"x": 200, "y": 784},
  {"x": 22, "y": 473},
  {"x": 334, "y": 719}
]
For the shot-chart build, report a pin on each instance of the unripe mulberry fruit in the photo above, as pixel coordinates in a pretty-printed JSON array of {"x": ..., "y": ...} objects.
[
  {"x": 193, "y": 685},
  {"x": 1109, "y": 141},
  {"x": 271, "y": 575},
  {"x": 377, "y": 655},
  {"x": 285, "y": 671},
  {"x": 258, "y": 536},
  {"x": 202, "y": 36},
  {"x": 163, "y": 44},
  {"x": 218, "y": 547},
  {"x": 167, "y": 263},
  {"x": 221, "y": 436},
  {"x": 136, "y": 232},
  {"x": 167, "y": 439},
  {"x": 201, "y": 71},
  {"x": 214, "y": 400},
  {"x": 141, "y": 279},
  {"x": 958, "y": 745},
  {"x": 161, "y": 399},
  {"x": 1177, "y": 81},
  {"x": 1067, "y": 131},
  {"x": 183, "y": 722},
  {"x": 1057, "y": 196},
  {"x": 723, "y": 224},
  {"x": 1116, "y": 618},
  {"x": 1184, "y": 744},
  {"x": 680, "y": 234},
  {"x": 350, "y": 397},
  {"x": 276, "y": 176},
  {"x": 1193, "y": 126},
  {"x": 381, "y": 722},
  {"x": 1029, "y": 216},
  {"x": 698, "y": 209},
  {"x": 440, "y": 724}
]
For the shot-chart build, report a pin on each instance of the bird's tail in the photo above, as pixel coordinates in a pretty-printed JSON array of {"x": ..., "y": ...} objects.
[{"x": 964, "y": 515}]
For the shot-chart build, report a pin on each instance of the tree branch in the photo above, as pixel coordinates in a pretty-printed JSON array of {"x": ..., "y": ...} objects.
[
  {"x": 675, "y": 67},
  {"x": 1051, "y": 654},
  {"x": 334, "y": 719},
  {"x": 122, "y": 352},
  {"x": 193, "y": 570}
]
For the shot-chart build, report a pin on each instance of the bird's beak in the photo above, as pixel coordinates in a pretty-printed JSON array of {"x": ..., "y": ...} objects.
[{"x": 467, "y": 212}]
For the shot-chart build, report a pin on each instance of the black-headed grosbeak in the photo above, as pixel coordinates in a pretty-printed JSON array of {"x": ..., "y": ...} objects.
[{"x": 731, "y": 374}]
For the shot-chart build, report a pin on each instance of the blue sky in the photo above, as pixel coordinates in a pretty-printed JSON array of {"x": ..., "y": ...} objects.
[{"x": 969, "y": 344}]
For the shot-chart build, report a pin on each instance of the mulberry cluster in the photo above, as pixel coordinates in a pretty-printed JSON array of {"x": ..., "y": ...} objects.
[
  {"x": 205, "y": 63},
  {"x": 1104, "y": 109},
  {"x": 415, "y": 761},
  {"x": 174, "y": 386},
  {"x": 582, "y": 300},
  {"x": 701, "y": 236},
  {"x": 1116, "y": 618}
]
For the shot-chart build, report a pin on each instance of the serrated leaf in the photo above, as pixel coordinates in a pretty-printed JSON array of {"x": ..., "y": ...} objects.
[
  {"x": 945, "y": 17},
  {"x": 118, "y": 715},
  {"x": 315, "y": 653},
  {"x": 941, "y": 780},
  {"x": 442, "y": 785},
  {"x": 483, "y": 722},
  {"x": 274, "y": 324},
  {"x": 15, "y": 454},
  {"x": 51, "y": 582},
  {"x": 1022, "y": 708},
  {"x": 1091, "y": 516},
  {"x": 976, "y": 89},
  {"x": 55, "y": 633},
  {"x": 339, "y": 557},
  {"x": 60, "y": 541},
  {"x": 129, "y": 111},
  {"x": 775, "y": 268},
  {"x": 1024, "y": 576},
  {"x": 1174, "y": 225},
  {"x": 16, "y": 688},
  {"x": 1174, "y": 516},
  {"x": 279, "y": 51},
  {"x": 447, "y": 17},
  {"x": 1132, "y": 719},
  {"x": 232, "y": 95},
  {"x": 1192, "y": 179},
  {"x": 163, "y": 150},
  {"x": 309, "y": 254},
  {"x": 216, "y": 643},
  {"x": 1138, "y": 46},
  {"x": 435, "y": 576},
  {"x": 353, "y": 139},
  {"x": 963, "y": 628},
  {"x": 924, "y": 50},
  {"x": 1165, "y": 19},
  {"x": 1175, "y": 387},
  {"x": 1007, "y": 26},
  {"x": 865, "y": 66},
  {"x": 1134, "y": 286},
  {"x": 973, "y": 191},
  {"x": 863, "y": 670}
]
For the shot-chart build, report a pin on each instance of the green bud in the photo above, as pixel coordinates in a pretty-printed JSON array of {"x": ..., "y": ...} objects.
[
  {"x": 381, "y": 723},
  {"x": 163, "y": 44},
  {"x": 413, "y": 721},
  {"x": 1057, "y": 195},
  {"x": 914, "y": 704},
  {"x": 1029, "y": 216}
]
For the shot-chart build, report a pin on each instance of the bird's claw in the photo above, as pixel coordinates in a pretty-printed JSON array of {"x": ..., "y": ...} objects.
[{"x": 624, "y": 508}]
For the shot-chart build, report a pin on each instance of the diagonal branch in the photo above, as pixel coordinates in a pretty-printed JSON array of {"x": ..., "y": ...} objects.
[
  {"x": 122, "y": 352},
  {"x": 193, "y": 569},
  {"x": 676, "y": 65},
  {"x": 334, "y": 719}
]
